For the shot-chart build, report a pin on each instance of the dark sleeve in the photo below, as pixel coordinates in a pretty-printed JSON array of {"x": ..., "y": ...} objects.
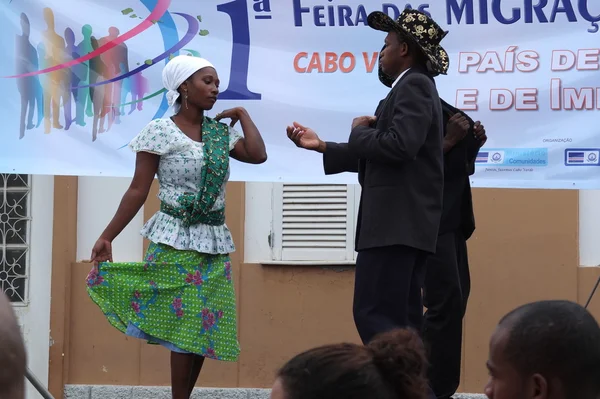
[
  {"x": 472, "y": 151},
  {"x": 457, "y": 162},
  {"x": 339, "y": 159},
  {"x": 413, "y": 113},
  {"x": 472, "y": 147}
]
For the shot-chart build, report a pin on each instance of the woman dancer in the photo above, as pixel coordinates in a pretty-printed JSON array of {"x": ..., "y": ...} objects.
[{"x": 182, "y": 295}]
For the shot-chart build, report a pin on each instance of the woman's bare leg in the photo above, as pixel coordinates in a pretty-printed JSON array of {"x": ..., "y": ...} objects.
[
  {"x": 185, "y": 369},
  {"x": 196, "y": 368}
]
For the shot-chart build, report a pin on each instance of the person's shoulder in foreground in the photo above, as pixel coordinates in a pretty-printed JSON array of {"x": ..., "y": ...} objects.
[{"x": 12, "y": 353}]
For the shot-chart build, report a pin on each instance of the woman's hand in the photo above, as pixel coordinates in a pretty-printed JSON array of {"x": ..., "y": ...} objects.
[
  {"x": 251, "y": 148},
  {"x": 233, "y": 113},
  {"x": 101, "y": 252}
]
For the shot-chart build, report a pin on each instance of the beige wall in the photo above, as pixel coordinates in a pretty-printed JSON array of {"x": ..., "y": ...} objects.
[{"x": 525, "y": 248}]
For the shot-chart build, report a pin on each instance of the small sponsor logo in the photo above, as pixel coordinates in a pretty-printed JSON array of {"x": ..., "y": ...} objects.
[
  {"x": 482, "y": 157},
  {"x": 513, "y": 157},
  {"x": 582, "y": 157}
]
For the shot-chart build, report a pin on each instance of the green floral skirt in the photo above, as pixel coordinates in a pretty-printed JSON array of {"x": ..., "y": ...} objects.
[{"x": 183, "y": 300}]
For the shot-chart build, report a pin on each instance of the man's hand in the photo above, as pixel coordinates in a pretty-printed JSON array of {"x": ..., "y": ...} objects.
[
  {"x": 457, "y": 128},
  {"x": 305, "y": 137},
  {"x": 363, "y": 121},
  {"x": 479, "y": 132}
]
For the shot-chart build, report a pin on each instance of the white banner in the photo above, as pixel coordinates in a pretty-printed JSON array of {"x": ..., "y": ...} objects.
[{"x": 528, "y": 73}]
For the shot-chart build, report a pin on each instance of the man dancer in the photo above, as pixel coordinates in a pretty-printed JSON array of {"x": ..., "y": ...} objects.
[
  {"x": 399, "y": 159},
  {"x": 447, "y": 280}
]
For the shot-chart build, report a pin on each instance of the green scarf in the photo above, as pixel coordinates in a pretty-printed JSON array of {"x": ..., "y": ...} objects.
[{"x": 195, "y": 209}]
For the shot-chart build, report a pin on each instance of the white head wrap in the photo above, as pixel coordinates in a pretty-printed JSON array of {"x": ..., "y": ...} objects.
[{"x": 177, "y": 71}]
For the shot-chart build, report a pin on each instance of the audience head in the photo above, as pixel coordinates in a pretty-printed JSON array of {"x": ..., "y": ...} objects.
[
  {"x": 12, "y": 353},
  {"x": 392, "y": 366},
  {"x": 545, "y": 350}
]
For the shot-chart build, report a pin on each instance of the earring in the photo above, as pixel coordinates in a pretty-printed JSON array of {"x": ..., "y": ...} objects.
[{"x": 185, "y": 98}]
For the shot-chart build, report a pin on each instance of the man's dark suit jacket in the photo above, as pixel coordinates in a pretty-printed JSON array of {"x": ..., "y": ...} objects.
[
  {"x": 400, "y": 167},
  {"x": 459, "y": 164}
]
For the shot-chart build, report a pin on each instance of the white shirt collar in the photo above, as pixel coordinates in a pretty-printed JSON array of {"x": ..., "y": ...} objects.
[{"x": 399, "y": 77}]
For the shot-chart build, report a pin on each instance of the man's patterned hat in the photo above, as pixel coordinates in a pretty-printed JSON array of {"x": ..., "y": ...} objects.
[{"x": 421, "y": 29}]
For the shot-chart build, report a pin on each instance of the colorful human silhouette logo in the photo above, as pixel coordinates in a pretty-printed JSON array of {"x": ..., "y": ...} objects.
[{"x": 79, "y": 77}]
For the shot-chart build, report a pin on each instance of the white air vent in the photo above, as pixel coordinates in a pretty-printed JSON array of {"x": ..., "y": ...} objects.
[{"x": 313, "y": 222}]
